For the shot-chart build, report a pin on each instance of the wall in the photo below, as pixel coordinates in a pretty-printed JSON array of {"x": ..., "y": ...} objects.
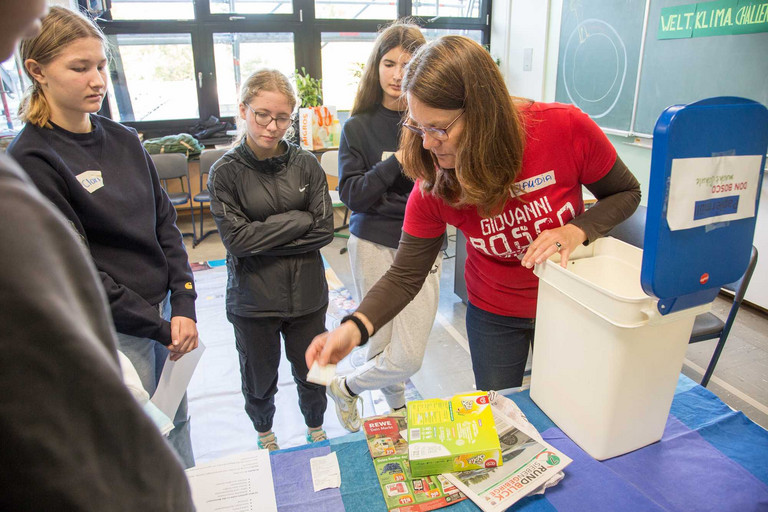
[{"x": 519, "y": 28}]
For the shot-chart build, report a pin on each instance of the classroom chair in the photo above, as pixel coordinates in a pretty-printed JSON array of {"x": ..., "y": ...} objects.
[
  {"x": 207, "y": 158},
  {"x": 172, "y": 166},
  {"x": 330, "y": 164}
]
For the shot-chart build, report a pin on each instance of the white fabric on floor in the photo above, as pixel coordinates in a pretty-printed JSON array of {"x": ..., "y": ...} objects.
[{"x": 219, "y": 424}]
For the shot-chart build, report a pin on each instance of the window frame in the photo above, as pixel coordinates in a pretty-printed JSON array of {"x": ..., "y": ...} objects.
[{"x": 302, "y": 23}]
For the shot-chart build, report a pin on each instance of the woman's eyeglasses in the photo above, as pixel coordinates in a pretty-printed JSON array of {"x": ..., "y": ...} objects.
[
  {"x": 436, "y": 133},
  {"x": 264, "y": 119}
]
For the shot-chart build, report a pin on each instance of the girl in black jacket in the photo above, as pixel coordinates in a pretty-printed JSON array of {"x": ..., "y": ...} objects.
[{"x": 271, "y": 205}]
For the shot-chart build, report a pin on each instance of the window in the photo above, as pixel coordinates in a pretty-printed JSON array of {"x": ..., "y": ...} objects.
[
  {"x": 14, "y": 83},
  {"x": 343, "y": 56},
  {"x": 152, "y": 77},
  {"x": 450, "y": 8},
  {"x": 239, "y": 54},
  {"x": 175, "y": 62},
  {"x": 432, "y": 33},
  {"x": 356, "y": 10},
  {"x": 251, "y": 6},
  {"x": 152, "y": 10}
]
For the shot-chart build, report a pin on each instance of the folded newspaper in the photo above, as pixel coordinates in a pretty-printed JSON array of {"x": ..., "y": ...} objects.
[{"x": 530, "y": 466}]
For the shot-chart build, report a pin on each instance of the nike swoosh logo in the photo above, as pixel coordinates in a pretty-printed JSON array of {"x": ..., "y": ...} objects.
[{"x": 302, "y": 189}]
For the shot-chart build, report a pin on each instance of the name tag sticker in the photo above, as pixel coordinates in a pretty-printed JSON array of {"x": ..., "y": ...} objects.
[
  {"x": 91, "y": 180},
  {"x": 533, "y": 183}
]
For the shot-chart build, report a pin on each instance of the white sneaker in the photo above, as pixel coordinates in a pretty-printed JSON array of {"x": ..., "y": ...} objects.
[{"x": 346, "y": 405}]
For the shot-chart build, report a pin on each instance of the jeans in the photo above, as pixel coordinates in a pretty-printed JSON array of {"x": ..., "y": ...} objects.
[
  {"x": 258, "y": 343},
  {"x": 498, "y": 346},
  {"x": 148, "y": 357}
]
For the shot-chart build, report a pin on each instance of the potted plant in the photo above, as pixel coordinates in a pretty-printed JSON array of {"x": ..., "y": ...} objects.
[{"x": 310, "y": 89}]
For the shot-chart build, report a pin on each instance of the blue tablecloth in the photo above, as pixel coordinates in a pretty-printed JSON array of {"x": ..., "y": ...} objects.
[{"x": 710, "y": 459}]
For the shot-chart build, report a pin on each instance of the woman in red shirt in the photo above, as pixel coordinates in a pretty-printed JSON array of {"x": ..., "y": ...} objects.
[{"x": 508, "y": 173}]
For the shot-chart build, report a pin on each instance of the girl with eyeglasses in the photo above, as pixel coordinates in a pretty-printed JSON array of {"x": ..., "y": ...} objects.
[
  {"x": 508, "y": 173},
  {"x": 373, "y": 186},
  {"x": 98, "y": 174},
  {"x": 271, "y": 205}
]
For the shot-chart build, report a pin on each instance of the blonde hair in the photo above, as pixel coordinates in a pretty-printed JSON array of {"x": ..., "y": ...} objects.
[
  {"x": 60, "y": 27},
  {"x": 403, "y": 34},
  {"x": 264, "y": 80},
  {"x": 452, "y": 73}
]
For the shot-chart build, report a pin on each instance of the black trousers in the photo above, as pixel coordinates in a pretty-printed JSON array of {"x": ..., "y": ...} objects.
[{"x": 258, "y": 343}]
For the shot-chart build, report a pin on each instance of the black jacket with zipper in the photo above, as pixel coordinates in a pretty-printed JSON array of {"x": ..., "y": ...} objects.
[{"x": 273, "y": 215}]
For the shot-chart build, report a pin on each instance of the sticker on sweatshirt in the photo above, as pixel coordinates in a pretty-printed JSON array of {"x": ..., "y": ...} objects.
[
  {"x": 91, "y": 180},
  {"x": 386, "y": 154}
]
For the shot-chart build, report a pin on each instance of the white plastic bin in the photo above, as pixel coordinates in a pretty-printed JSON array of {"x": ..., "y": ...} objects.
[{"x": 605, "y": 361}]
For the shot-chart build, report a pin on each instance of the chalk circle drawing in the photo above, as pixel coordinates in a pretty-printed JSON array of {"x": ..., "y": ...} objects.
[{"x": 594, "y": 67}]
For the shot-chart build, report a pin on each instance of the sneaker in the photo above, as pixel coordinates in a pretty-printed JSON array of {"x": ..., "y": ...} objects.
[
  {"x": 346, "y": 406},
  {"x": 268, "y": 442},
  {"x": 316, "y": 435}
]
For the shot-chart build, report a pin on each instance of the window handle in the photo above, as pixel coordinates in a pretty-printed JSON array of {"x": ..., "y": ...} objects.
[{"x": 200, "y": 80}]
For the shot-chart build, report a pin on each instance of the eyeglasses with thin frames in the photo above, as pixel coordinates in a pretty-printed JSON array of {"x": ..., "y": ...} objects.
[
  {"x": 436, "y": 133},
  {"x": 264, "y": 119}
]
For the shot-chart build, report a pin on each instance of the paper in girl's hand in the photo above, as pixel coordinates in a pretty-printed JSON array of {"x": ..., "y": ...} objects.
[{"x": 322, "y": 375}]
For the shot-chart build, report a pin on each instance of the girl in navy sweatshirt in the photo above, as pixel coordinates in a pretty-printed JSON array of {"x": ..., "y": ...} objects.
[
  {"x": 97, "y": 173},
  {"x": 373, "y": 186}
]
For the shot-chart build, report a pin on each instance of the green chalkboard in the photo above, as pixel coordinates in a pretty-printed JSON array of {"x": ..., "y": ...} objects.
[
  {"x": 681, "y": 71},
  {"x": 600, "y": 50}
]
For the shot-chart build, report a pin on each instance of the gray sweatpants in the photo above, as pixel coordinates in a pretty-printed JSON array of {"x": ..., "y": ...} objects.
[{"x": 396, "y": 351}]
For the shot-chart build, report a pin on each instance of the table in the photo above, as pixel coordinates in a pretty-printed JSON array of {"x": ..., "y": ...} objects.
[{"x": 710, "y": 458}]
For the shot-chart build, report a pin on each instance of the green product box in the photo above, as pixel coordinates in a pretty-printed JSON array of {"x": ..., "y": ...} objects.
[{"x": 445, "y": 436}]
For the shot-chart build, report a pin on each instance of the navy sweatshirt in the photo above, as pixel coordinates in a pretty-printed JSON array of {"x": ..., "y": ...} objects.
[
  {"x": 371, "y": 181},
  {"x": 106, "y": 186}
]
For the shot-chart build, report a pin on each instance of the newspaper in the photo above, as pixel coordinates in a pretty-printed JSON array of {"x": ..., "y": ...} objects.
[
  {"x": 403, "y": 492},
  {"x": 530, "y": 464}
]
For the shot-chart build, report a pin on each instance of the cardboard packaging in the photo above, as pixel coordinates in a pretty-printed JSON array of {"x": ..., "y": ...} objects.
[{"x": 445, "y": 436}]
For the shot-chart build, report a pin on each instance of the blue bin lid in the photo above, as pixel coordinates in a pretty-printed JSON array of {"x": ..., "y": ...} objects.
[{"x": 706, "y": 173}]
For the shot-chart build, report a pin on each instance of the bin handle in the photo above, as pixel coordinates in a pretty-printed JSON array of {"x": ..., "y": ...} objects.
[{"x": 649, "y": 313}]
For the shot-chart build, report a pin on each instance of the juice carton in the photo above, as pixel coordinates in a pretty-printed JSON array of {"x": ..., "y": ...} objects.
[{"x": 445, "y": 436}]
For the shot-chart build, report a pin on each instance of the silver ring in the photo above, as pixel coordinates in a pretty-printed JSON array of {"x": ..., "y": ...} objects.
[{"x": 559, "y": 246}]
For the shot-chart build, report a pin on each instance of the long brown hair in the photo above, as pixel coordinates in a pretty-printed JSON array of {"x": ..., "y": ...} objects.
[
  {"x": 399, "y": 34},
  {"x": 60, "y": 27},
  {"x": 452, "y": 73},
  {"x": 264, "y": 80}
]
